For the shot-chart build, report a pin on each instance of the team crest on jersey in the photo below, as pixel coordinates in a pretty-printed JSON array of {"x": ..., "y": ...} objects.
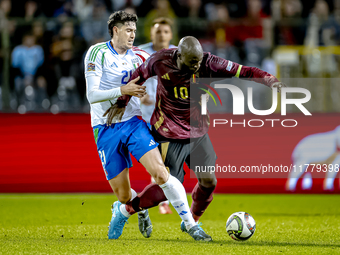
[
  {"x": 91, "y": 67},
  {"x": 136, "y": 65},
  {"x": 134, "y": 60},
  {"x": 124, "y": 63}
]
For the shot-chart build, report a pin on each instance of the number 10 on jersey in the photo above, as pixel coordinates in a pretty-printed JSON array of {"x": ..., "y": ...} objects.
[{"x": 183, "y": 92}]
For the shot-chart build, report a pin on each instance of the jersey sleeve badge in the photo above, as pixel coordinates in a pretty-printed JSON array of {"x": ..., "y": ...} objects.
[
  {"x": 91, "y": 67},
  {"x": 230, "y": 65}
]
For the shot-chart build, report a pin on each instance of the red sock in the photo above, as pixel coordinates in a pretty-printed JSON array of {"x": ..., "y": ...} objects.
[
  {"x": 201, "y": 198},
  {"x": 151, "y": 196}
]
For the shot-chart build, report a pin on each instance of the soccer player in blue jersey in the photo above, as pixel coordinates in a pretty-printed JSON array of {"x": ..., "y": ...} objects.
[{"x": 108, "y": 67}]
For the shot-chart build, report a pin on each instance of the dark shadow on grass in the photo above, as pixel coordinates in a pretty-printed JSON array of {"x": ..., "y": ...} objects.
[
  {"x": 231, "y": 243},
  {"x": 283, "y": 244},
  {"x": 173, "y": 240},
  {"x": 297, "y": 214}
]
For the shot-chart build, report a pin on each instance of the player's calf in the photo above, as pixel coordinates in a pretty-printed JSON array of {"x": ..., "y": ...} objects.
[
  {"x": 172, "y": 188},
  {"x": 201, "y": 198}
]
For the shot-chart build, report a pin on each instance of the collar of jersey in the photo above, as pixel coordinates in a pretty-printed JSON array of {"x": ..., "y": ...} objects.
[{"x": 114, "y": 52}]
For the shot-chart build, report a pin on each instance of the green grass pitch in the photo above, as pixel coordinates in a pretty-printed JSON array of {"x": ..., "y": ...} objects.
[{"x": 77, "y": 224}]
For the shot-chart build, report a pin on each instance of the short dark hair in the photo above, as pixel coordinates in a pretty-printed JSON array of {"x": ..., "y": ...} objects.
[
  {"x": 162, "y": 21},
  {"x": 120, "y": 17}
]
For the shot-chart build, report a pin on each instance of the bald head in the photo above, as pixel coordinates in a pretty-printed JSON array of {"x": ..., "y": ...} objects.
[
  {"x": 190, "y": 44},
  {"x": 190, "y": 54}
]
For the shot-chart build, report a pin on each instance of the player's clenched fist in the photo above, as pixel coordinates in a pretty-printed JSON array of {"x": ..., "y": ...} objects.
[{"x": 133, "y": 89}]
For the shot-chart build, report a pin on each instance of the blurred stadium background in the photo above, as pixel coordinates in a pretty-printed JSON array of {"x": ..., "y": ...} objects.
[{"x": 46, "y": 138}]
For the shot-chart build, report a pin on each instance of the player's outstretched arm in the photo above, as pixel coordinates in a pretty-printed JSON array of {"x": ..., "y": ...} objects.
[
  {"x": 224, "y": 68},
  {"x": 259, "y": 76}
]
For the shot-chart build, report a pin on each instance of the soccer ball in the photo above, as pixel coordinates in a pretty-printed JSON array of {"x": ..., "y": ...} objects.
[{"x": 241, "y": 226}]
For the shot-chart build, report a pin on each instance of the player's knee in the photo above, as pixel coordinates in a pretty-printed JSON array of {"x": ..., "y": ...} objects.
[
  {"x": 123, "y": 196},
  {"x": 161, "y": 176},
  {"x": 208, "y": 182}
]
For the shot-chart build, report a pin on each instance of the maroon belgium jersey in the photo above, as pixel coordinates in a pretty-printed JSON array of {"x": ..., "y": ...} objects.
[{"x": 177, "y": 113}]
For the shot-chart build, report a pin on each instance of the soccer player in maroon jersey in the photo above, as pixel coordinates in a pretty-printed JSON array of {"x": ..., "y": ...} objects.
[{"x": 177, "y": 121}]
